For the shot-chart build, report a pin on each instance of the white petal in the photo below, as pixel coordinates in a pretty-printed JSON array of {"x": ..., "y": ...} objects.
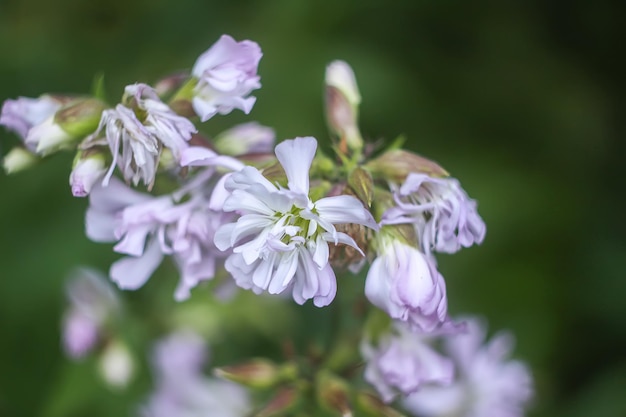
[
  {"x": 345, "y": 209},
  {"x": 296, "y": 156}
]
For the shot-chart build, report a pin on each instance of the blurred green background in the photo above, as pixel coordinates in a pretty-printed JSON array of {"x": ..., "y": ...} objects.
[{"x": 522, "y": 101}]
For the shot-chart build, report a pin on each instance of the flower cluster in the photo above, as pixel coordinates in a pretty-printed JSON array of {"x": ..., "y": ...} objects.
[{"x": 284, "y": 219}]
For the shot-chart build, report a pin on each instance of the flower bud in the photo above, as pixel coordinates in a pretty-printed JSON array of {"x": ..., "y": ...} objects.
[
  {"x": 80, "y": 117},
  {"x": 167, "y": 86},
  {"x": 333, "y": 394},
  {"x": 18, "y": 159},
  {"x": 89, "y": 167},
  {"x": 257, "y": 373},
  {"x": 342, "y": 104},
  {"x": 116, "y": 365},
  {"x": 397, "y": 164},
  {"x": 340, "y": 76}
]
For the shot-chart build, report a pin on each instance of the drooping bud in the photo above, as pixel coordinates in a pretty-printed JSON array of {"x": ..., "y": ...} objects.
[
  {"x": 116, "y": 365},
  {"x": 167, "y": 86},
  {"x": 89, "y": 167},
  {"x": 397, "y": 164},
  {"x": 285, "y": 400},
  {"x": 342, "y": 104},
  {"x": 71, "y": 123},
  {"x": 333, "y": 394},
  {"x": 18, "y": 159},
  {"x": 257, "y": 373}
]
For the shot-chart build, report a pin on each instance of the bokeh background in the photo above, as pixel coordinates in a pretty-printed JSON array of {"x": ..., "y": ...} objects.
[{"x": 523, "y": 101}]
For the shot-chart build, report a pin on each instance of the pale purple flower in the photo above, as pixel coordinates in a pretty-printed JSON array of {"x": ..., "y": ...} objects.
[
  {"x": 147, "y": 228},
  {"x": 91, "y": 303},
  {"x": 226, "y": 74},
  {"x": 23, "y": 114},
  {"x": 441, "y": 211},
  {"x": 281, "y": 238},
  {"x": 405, "y": 283},
  {"x": 181, "y": 388},
  {"x": 487, "y": 384},
  {"x": 403, "y": 361},
  {"x": 137, "y": 133}
]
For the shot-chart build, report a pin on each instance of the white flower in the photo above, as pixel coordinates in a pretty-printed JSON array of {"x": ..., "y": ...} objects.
[
  {"x": 137, "y": 134},
  {"x": 281, "y": 239}
]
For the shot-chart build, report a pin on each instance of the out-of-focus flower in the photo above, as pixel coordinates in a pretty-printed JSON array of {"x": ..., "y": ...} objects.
[
  {"x": 148, "y": 228},
  {"x": 403, "y": 361},
  {"x": 22, "y": 114},
  {"x": 226, "y": 74},
  {"x": 181, "y": 388},
  {"x": 487, "y": 384},
  {"x": 116, "y": 364},
  {"x": 138, "y": 130},
  {"x": 405, "y": 283},
  {"x": 444, "y": 216},
  {"x": 91, "y": 303},
  {"x": 245, "y": 138},
  {"x": 89, "y": 167},
  {"x": 281, "y": 239}
]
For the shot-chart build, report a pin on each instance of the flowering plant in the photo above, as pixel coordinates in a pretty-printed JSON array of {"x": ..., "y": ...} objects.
[{"x": 299, "y": 220}]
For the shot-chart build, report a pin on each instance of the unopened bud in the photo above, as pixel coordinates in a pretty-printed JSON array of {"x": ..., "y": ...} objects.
[
  {"x": 169, "y": 85},
  {"x": 374, "y": 406},
  {"x": 80, "y": 117},
  {"x": 342, "y": 104},
  {"x": 333, "y": 394},
  {"x": 245, "y": 138},
  {"x": 89, "y": 167},
  {"x": 18, "y": 159},
  {"x": 116, "y": 365},
  {"x": 285, "y": 400},
  {"x": 257, "y": 373},
  {"x": 396, "y": 164},
  {"x": 340, "y": 75}
]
